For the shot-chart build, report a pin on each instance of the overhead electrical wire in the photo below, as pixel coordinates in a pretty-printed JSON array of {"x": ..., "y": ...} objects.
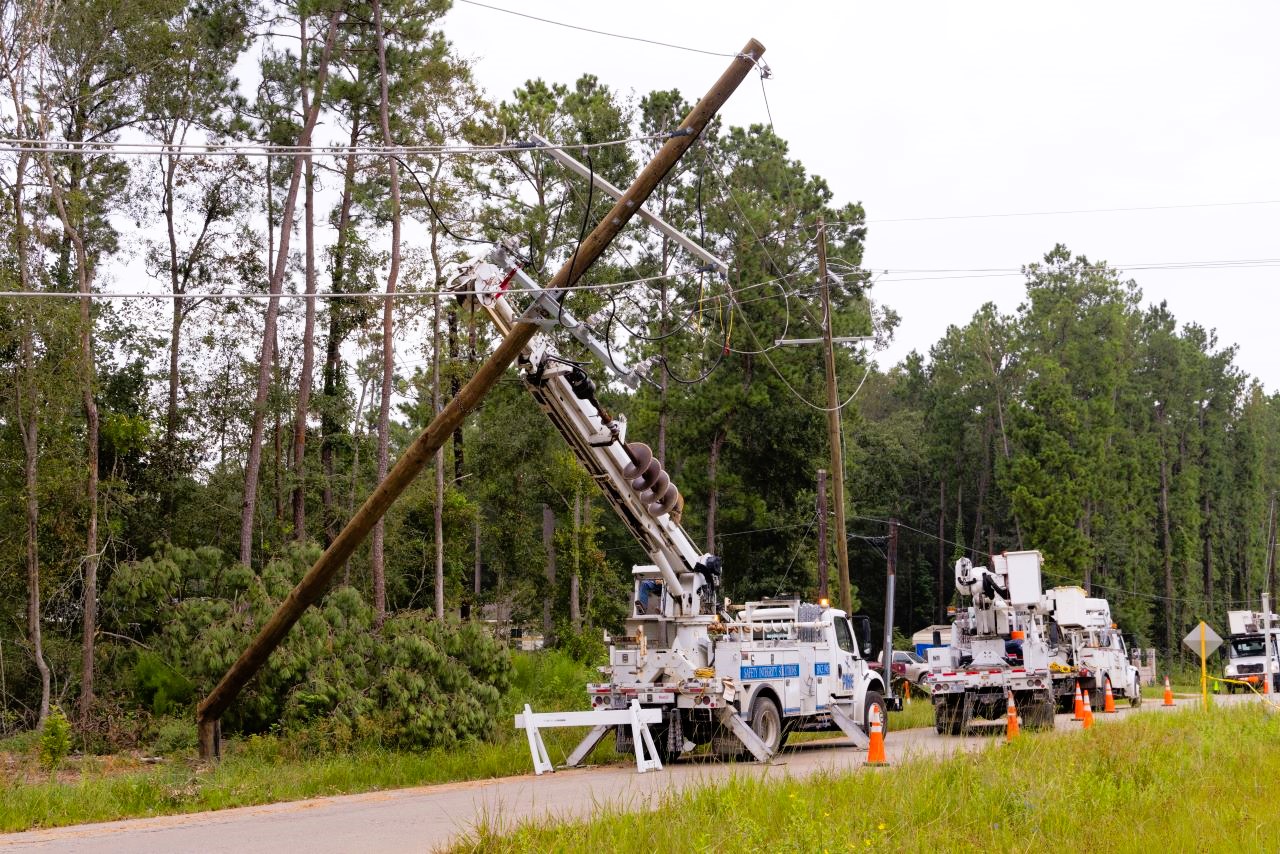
[
  {"x": 212, "y": 149},
  {"x": 599, "y": 32},
  {"x": 1100, "y": 585},
  {"x": 322, "y": 295},
  {"x": 1007, "y": 215}
]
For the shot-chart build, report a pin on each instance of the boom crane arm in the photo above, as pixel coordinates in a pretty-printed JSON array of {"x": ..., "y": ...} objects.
[{"x": 631, "y": 479}]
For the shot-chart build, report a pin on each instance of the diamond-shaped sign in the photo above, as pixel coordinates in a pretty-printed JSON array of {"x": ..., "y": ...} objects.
[{"x": 1211, "y": 639}]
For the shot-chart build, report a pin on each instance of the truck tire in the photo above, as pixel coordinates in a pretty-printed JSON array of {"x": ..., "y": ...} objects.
[
  {"x": 874, "y": 698},
  {"x": 1135, "y": 693},
  {"x": 947, "y": 716},
  {"x": 1037, "y": 712},
  {"x": 766, "y": 722}
]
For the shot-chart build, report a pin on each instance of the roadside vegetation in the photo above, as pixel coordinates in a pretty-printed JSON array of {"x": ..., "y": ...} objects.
[
  {"x": 165, "y": 777},
  {"x": 1114, "y": 785}
]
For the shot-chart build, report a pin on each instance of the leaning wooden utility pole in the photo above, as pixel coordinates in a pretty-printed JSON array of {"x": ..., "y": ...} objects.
[
  {"x": 833, "y": 422},
  {"x": 824, "y": 593},
  {"x": 417, "y": 455}
]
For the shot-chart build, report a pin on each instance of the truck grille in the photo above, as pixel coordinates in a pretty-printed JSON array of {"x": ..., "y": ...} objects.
[{"x": 1249, "y": 668}]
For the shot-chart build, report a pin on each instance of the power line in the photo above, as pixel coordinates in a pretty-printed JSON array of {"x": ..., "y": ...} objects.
[
  {"x": 325, "y": 295},
  {"x": 1137, "y": 208},
  {"x": 1059, "y": 576},
  {"x": 892, "y": 276},
  {"x": 19, "y": 145},
  {"x": 598, "y": 32}
]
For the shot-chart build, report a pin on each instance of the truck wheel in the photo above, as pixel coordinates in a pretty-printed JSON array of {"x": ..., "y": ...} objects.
[
  {"x": 947, "y": 715},
  {"x": 1039, "y": 710},
  {"x": 1135, "y": 694},
  {"x": 875, "y": 699},
  {"x": 766, "y": 722}
]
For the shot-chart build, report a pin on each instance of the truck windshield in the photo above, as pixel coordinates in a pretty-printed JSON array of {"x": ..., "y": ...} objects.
[{"x": 1246, "y": 647}]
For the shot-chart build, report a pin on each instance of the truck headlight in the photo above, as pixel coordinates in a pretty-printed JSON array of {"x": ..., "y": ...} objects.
[{"x": 1231, "y": 670}]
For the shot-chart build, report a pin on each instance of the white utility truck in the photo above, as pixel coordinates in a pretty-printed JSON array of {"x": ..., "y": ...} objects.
[
  {"x": 739, "y": 679},
  {"x": 1246, "y": 650},
  {"x": 1091, "y": 647},
  {"x": 997, "y": 645}
]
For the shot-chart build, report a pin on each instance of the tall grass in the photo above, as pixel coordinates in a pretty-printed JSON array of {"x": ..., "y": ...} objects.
[{"x": 1186, "y": 781}]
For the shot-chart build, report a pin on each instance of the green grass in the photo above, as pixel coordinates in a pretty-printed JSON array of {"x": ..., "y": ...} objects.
[
  {"x": 1185, "y": 781},
  {"x": 267, "y": 769}
]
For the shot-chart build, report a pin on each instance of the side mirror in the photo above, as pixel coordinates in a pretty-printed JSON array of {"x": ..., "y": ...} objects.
[{"x": 861, "y": 625}]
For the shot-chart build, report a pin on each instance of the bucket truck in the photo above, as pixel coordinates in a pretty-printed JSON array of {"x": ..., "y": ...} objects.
[
  {"x": 1246, "y": 649},
  {"x": 1092, "y": 647},
  {"x": 997, "y": 645},
  {"x": 741, "y": 680}
]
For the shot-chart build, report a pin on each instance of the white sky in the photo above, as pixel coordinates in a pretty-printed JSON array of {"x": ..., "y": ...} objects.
[{"x": 943, "y": 109}]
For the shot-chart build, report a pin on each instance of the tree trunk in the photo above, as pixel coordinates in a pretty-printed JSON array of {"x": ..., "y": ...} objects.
[
  {"x": 28, "y": 428},
  {"x": 308, "y": 330},
  {"x": 71, "y": 232},
  {"x": 984, "y": 482},
  {"x": 338, "y": 328},
  {"x": 713, "y": 495},
  {"x": 940, "y": 612},
  {"x": 575, "y": 613},
  {"x": 437, "y": 516},
  {"x": 455, "y": 385},
  {"x": 388, "y": 326},
  {"x": 549, "y": 544},
  {"x": 254, "y": 460},
  {"x": 1167, "y": 541},
  {"x": 175, "y": 333},
  {"x": 479, "y": 565},
  {"x": 1208, "y": 557}
]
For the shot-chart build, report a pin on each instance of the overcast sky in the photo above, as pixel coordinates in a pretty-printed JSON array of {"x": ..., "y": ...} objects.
[{"x": 953, "y": 110}]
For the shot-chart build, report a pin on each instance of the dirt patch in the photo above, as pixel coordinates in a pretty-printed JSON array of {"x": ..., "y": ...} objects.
[{"x": 24, "y": 768}]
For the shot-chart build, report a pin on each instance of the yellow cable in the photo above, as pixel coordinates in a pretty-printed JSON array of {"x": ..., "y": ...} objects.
[{"x": 1265, "y": 697}]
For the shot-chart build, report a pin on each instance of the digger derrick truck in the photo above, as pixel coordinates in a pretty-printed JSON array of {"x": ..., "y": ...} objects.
[
  {"x": 741, "y": 681},
  {"x": 998, "y": 645},
  {"x": 1091, "y": 648},
  {"x": 1246, "y": 650}
]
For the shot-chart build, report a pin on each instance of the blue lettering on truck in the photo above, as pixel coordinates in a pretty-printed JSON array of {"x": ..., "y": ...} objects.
[
  {"x": 769, "y": 671},
  {"x": 822, "y": 668}
]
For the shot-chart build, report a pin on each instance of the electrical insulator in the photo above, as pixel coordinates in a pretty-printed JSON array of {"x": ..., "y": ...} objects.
[{"x": 658, "y": 494}]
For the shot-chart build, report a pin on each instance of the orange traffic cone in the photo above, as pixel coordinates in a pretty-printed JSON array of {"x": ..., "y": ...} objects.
[
  {"x": 1109, "y": 704},
  {"x": 1168, "y": 693},
  {"x": 1011, "y": 724},
  {"x": 1087, "y": 720},
  {"x": 875, "y": 751},
  {"x": 1266, "y": 684},
  {"x": 1078, "y": 712}
]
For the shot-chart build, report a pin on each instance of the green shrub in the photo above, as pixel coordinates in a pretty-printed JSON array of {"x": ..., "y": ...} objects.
[
  {"x": 55, "y": 739},
  {"x": 173, "y": 737},
  {"x": 334, "y": 681},
  {"x": 585, "y": 646},
  {"x": 158, "y": 686}
]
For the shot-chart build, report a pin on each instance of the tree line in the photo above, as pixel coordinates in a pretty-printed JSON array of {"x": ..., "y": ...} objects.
[{"x": 167, "y": 463}]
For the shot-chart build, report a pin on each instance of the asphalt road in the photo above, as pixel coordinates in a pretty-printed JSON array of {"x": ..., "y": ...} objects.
[{"x": 428, "y": 818}]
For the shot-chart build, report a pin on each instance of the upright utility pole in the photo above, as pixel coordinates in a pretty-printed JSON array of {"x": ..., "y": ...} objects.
[
  {"x": 423, "y": 449},
  {"x": 1268, "y": 648},
  {"x": 890, "y": 582},
  {"x": 833, "y": 421},
  {"x": 823, "y": 593}
]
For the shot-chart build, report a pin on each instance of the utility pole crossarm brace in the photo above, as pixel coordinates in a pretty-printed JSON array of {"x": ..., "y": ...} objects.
[
  {"x": 416, "y": 457},
  {"x": 839, "y": 339},
  {"x": 559, "y": 155}
]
